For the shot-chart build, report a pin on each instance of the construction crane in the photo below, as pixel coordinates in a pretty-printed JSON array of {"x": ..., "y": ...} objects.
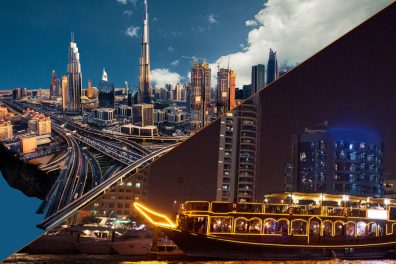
[{"x": 195, "y": 59}]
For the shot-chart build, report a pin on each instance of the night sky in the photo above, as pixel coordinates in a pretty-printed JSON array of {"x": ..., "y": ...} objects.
[{"x": 351, "y": 83}]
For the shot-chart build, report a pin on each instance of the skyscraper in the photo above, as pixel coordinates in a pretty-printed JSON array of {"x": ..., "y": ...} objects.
[
  {"x": 258, "y": 78},
  {"x": 200, "y": 93},
  {"x": 145, "y": 93},
  {"x": 89, "y": 90},
  {"x": 337, "y": 160},
  {"x": 272, "y": 67},
  {"x": 226, "y": 80},
  {"x": 65, "y": 93},
  {"x": 74, "y": 79},
  {"x": 126, "y": 88},
  {"x": 55, "y": 87},
  {"x": 177, "y": 94},
  {"x": 106, "y": 92},
  {"x": 238, "y": 153}
]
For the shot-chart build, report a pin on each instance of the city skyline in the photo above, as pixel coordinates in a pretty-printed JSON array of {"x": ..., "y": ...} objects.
[{"x": 168, "y": 66}]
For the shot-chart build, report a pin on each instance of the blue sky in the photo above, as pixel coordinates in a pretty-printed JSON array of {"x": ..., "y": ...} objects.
[{"x": 36, "y": 36}]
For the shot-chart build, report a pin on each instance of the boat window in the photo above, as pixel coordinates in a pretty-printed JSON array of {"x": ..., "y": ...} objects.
[
  {"x": 361, "y": 229},
  {"x": 392, "y": 213},
  {"x": 271, "y": 226},
  {"x": 248, "y": 226},
  {"x": 327, "y": 228},
  {"x": 197, "y": 206},
  {"x": 381, "y": 229},
  {"x": 249, "y": 208},
  {"x": 299, "y": 227},
  {"x": 371, "y": 229},
  {"x": 339, "y": 228},
  {"x": 194, "y": 224},
  {"x": 221, "y": 207},
  {"x": 314, "y": 228},
  {"x": 350, "y": 229},
  {"x": 220, "y": 225},
  {"x": 358, "y": 212},
  {"x": 335, "y": 211}
]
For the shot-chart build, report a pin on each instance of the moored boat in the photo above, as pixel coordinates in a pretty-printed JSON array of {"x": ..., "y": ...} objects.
[{"x": 284, "y": 226}]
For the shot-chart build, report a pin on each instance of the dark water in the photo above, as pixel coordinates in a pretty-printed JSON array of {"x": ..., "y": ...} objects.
[{"x": 88, "y": 259}]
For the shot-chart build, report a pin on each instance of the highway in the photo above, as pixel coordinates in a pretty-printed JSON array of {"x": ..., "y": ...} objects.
[{"x": 61, "y": 215}]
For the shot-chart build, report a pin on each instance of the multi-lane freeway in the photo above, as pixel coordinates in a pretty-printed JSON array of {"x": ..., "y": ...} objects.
[{"x": 82, "y": 179}]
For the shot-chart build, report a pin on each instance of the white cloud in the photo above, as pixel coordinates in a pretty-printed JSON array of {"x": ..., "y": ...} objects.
[
  {"x": 251, "y": 23},
  {"x": 211, "y": 19},
  {"x": 162, "y": 76},
  {"x": 175, "y": 63},
  {"x": 296, "y": 30},
  {"x": 127, "y": 12},
  {"x": 132, "y": 31},
  {"x": 170, "y": 49}
]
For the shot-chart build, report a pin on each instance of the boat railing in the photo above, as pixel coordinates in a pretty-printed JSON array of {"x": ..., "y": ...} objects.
[{"x": 217, "y": 207}]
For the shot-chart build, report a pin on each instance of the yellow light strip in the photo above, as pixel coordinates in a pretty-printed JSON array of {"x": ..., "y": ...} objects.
[{"x": 143, "y": 209}]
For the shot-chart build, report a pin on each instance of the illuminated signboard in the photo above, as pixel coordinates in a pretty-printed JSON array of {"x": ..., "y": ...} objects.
[{"x": 377, "y": 214}]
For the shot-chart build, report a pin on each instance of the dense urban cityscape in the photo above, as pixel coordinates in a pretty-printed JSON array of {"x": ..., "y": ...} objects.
[{"x": 91, "y": 151}]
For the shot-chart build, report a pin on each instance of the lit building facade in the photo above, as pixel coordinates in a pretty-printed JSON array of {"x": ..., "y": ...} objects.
[
  {"x": 74, "y": 79},
  {"x": 3, "y": 112},
  {"x": 90, "y": 94},
  {"x": 337, "y": 161},
  {"x": 226, "y": 82},
  {"x": 124, "y": 111},
  {"x": 147, "y": 131},
  {"x": 258, "y": 78},
  {"x": 200, "y": 90},
  {"x": 65, "y": 93},
  {"x": 29, "y": 144},
  {"x": 272, "y": 67},
  {"x": 238, "y": 153},
  {"x": 6, "y": 131},
  {"x": 145, "y": 93}
]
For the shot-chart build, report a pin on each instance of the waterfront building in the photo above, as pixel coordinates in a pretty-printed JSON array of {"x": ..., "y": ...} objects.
[
  {"x": 3, "y": 112},
  {"x": 226, "y": 81},
  {"x": 55, "y": 86},
  {"x": 118, "y": 201},
  {"x": 337, "y": 161},
  {"x": 6, "y": 131},
  {"x": 200, "y": 99},
  {"x": 74, "y": 79},
  {"x": 258, "y": 78},
  {"x": 272, "y": 67},
  {"x": 238, "y": 153},
  {"x": 143, "y": 114},
  {"x": 145, "y": 93},
  {"x": 29, "y": 144},
  {"x": 130, "y": 129}
]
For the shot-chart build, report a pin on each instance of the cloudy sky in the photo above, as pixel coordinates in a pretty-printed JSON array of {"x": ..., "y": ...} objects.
[{"x": 35, "y": 35}]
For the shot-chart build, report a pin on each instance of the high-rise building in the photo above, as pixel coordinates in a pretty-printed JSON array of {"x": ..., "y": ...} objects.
[
  {"x": 106, "y": 92},
  {"x": 55, "y": 87},
  {"x": 143, "y": 114},
  {"x": 74, "y": 79},
  {"x": 272, "y": 67},
  {"x": 238, "y": 153},
  {"x": 178, "y": 90},
  {"x": 90, "y": 90},
  {"x": 226, "y": 80},
  {"x": 246, "y": 91},
  {"x": 337, "y": 161},
  {"x": 65, "y": 93},
  {"x": 200, "y": 93},
  {"x": 145, "y": 93},
  {"x": 126, "y": 88},
  {"x": 3, "y": 112},
  {"x": 258, "y": 78}
]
